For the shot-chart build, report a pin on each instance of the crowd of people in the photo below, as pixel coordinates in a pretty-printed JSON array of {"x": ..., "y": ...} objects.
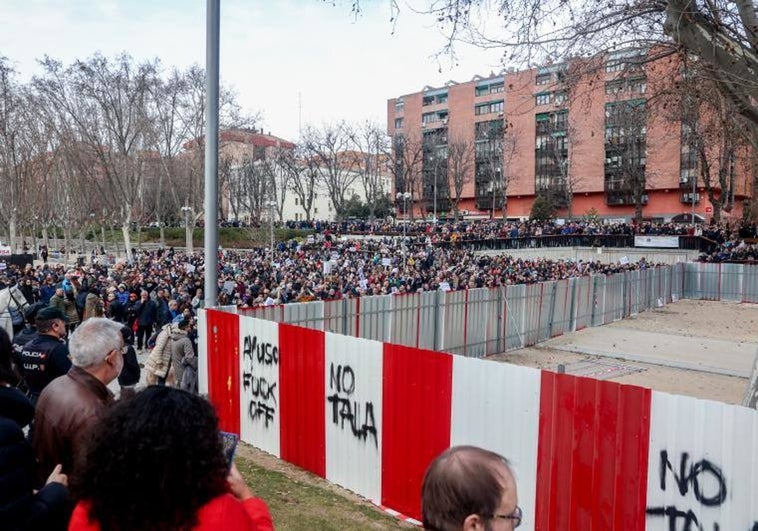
[{"x": 72, "y": 455}]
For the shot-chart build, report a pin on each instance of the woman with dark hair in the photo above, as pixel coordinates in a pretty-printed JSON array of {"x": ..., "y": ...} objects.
[
  {"x": 155, "y": 462},
  {"x": 20, "y": 507}
]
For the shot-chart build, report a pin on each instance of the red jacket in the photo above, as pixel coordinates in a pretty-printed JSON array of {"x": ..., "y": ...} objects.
[{"x": 223, "y": 512}]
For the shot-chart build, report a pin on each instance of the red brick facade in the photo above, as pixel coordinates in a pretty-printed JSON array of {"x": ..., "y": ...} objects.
[{"x": 454, "y": 107}]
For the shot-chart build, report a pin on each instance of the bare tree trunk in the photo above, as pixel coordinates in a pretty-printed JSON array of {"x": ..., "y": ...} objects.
[
  {"x": 12, "y": 239},
  {"x": 45, "y": 236},
  {"x": 125, "y": 226}
]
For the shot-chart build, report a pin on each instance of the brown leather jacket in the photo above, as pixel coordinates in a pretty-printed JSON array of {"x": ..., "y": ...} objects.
[{"x": 66, "y": 408}]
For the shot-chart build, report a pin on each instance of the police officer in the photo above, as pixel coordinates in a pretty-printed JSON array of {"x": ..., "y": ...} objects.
[
  {"x": 29, "y": 331},
  {"x": 46, "y": 357}
]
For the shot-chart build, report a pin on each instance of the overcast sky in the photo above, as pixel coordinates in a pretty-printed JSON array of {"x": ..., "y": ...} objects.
[{"x": 271, "y": 50}]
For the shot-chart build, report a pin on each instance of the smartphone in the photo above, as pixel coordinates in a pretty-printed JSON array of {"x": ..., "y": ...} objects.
[{"x": 229, "y": 445}]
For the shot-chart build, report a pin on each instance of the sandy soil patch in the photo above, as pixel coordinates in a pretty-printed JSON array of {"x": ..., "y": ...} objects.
[{"x": 693, "y": 319}]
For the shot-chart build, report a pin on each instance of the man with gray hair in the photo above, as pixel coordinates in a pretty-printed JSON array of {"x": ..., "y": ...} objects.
[{"x": 71, "y": 403}]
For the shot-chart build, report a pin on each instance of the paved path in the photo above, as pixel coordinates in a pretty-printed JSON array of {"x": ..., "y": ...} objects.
[{"x": 718, "y": 356}]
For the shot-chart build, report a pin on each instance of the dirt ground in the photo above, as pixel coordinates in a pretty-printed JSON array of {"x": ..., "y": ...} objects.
[{"x": 706, "y": 320}]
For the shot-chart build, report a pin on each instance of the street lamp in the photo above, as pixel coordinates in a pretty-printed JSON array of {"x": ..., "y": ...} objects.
[
  {"x": 187, "y": 234},
  {"x": 404, "y": 196}
]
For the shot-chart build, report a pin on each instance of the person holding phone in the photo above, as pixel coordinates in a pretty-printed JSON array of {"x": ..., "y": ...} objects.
[{"x": 171, "y": 471}]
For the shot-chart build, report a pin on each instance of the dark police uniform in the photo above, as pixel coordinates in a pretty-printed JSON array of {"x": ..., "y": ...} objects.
[{"x": 41, "y": 361}]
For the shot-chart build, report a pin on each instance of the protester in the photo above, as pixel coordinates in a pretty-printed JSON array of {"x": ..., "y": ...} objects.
[
  {"x": 71, "y": 404},
  {"x": 22, "y": 507},
  {"x": 469, "y": 489},
  {"x": 130, "y": 374},
  {"x": 183, "y": 359},
  {"x": 170, "y": 472},
  {"x": 46, "y": 357}
]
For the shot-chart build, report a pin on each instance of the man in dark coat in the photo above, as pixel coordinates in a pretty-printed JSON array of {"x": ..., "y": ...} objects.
[{"x": 146, "y": 319}]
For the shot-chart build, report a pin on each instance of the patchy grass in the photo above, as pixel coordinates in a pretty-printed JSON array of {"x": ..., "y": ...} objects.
[{"x": 300, "y": 501}]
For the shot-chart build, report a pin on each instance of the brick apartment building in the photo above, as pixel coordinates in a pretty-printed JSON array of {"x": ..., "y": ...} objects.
[{"x": 593, "y": 142}]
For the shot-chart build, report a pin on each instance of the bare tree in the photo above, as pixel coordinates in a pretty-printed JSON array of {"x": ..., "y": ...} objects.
[
  {"x": 460, "y": 167},
  {"x": 331, "y": 147},
  {"x": 626, "y": 154},
  {"x": 714, "y": 136},
  {"x": 102, "y": 105},
  {"x": 372, "y": 143},
  {"x": 406, "y": 164},
  {"x": 302, "y": 175}
]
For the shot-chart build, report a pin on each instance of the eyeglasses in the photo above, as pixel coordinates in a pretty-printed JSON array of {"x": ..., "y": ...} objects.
[{"x": 516, "y": 516}]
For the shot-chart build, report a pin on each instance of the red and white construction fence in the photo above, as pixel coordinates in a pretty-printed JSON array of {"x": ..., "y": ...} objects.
[{"x": 588, "y": 454}]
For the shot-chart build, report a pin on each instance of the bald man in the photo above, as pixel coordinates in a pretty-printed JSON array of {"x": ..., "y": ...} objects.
[{"x": 469, "y": 489}]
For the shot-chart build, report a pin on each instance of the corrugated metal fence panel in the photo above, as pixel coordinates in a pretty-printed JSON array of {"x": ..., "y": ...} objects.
[
  {"x": 560, "y": 318},
  {"x": 702, "y": 465},
  {"x": 677, "y": 281},
  {"x": 548, "y": 297},
  {"x": 515, "y": 316},
  {"x": 334, "y": 316},
  {"x": 353, "y": 379},
  {"x": 376, "y": 317},
  {"x": 224, "y": 367},
  {"x": 417, "y": 396},
  {"x": 405, "y": 319},
  {"x": 352, "y": 308},
  {"x": 615, "y": 286},
  {"x": 583, "y": 302},
  {"x": 593, "y": 447},
  {"x": 429, "y": 323},
  {"x": 709, "y": 276},
  {"x": 202, "y": 348},
  {"x": 489, "y": 400},
  {"x": 476, "y": 322},
  {"x": 731, "y": 282},
  {"x": 302, "y": 397},
  {"x": 691, "y": 288},
  {"x": 598, "y": 300},
  {"x": 453, "y": 311},
  {"x": 305, "y": 314},
  {"x": 495, "y": 306},
  {"x": 750, "y": 273},
  {"x": 533, "y": 310},
  {"x": 259, "y": 392}
]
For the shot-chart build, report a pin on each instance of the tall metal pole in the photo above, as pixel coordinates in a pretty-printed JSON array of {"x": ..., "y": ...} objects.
[
  {"x": 212, "y": 18},
  {"x": 694, "y": 191}
]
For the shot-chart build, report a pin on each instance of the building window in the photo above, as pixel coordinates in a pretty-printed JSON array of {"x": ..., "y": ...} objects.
[
  {"x": 559, "y": 98},
  {"x": 542, "y": 79},
  {"x": 613, "y": 87},
  {"x": 638, "y": 86},
  {"x": 399, "y": 105},
  {"x": 614, "y": 65},
  {"x": 489, "y": 107},
  {"x": 398, "y": 123},
  {"x": 428, "y": 118},
  {"x": 442, "y": 98},
  {"x": 315, "y": 210},
  {"x": 428, "y": 100},
  {"x": 543, "y": 98},
  {"x": 297, "y": 201},
  {"x": 494, "y": 88}
]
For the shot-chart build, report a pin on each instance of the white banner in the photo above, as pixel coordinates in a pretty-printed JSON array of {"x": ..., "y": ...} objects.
[{"x": 669, "y": 242}]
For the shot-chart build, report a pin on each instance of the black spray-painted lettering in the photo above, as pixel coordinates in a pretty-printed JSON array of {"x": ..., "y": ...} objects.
[
  {"x": 707, "y": 483},
  {"x": 342, "y": 384},
  {"x": 262, "y": 391},
  {"x": 699, "y": 475},
  {"x": 265, "y": 353},
  {"x": 259, "y": 410}
]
